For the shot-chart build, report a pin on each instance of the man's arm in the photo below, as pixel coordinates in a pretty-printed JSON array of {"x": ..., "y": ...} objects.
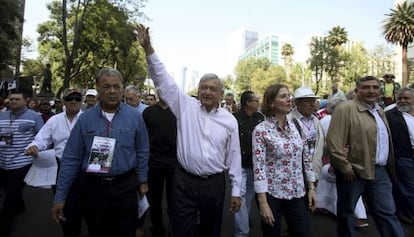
[
  {"x": 41, "y": 141},
  {"x": 337, "y": 138},
  {"x": 165, "y": 84},
  {"x": 72, "y": 159},
  {"x": 142, "y": 150}
]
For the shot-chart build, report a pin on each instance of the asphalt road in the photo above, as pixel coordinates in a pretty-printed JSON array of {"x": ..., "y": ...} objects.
[{"x": 36, "y": 220}]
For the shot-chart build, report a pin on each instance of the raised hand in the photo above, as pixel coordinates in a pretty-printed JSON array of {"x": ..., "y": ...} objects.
[{"x": 143, "y": 36}]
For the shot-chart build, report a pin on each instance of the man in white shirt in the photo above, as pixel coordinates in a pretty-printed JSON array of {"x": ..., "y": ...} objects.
[
  {"x": 311, "y": 127},
  {"x": 207, "y": 146},
  {"x": 56, "y": 131}
]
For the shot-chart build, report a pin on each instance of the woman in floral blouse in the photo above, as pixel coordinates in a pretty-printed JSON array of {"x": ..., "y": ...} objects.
[{"x": 280, "y": 161}]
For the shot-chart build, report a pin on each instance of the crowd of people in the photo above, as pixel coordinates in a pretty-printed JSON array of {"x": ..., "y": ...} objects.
[{"x": 115, "y": 147}]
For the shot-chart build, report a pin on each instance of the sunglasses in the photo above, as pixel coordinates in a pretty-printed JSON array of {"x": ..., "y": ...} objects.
[{"x": 71, "y": 98}]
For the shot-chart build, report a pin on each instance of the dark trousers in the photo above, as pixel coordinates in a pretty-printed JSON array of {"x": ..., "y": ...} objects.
[
  {"x": 111, "y": 206},
  {"x": 377, "y": 194},
  {"x": 12, "y": 181},
  {"x": 159, "y": 174},
  {"x": 295, "y": 212},
  {"x": 72, "y": 226},
  {"x": 197, "y": 198}
]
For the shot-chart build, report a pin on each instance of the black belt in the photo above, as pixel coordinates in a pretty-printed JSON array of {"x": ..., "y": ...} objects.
[
  {"x": 200, "y": 177},
  {"x": 109, "y": 179}
]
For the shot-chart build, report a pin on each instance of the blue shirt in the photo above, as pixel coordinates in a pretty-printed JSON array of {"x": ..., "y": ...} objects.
[
  {"x": 23, "y": 125},
  {"x": 131, "y": 146}
]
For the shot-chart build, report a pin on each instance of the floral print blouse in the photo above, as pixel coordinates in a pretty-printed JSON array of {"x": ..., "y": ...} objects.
[{"x": 277, "y": 160}]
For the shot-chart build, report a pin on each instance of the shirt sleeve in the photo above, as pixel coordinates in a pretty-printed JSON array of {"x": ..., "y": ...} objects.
[
  {"x": 166, "y": 86},
  {"x": 337, "y": 139},
  {"x": 43, "y": 138},
  {"x": 71, "y": 162},
  {"x": 142, "y": 150},
  {"x": 233, "y": 160},
  {"x": 259, "y": 161}
]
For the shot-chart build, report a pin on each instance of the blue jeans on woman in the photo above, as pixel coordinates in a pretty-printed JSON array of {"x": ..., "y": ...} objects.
[{"x": 378, "y": 195}]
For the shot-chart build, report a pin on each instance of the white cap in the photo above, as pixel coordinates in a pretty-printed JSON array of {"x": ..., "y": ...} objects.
[
  {"x": 91, "y": 92},
  {"x": 305, "y": 92}
]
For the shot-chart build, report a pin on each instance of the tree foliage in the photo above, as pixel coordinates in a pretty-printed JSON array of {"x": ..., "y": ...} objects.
[
  {"x": 399, "y": 29},
  {"x": 287, "y": 53},
  {"x": 83, "y": 36},
  {"x": 9, "y": 30},
  {"x": 257, "y": 74}
]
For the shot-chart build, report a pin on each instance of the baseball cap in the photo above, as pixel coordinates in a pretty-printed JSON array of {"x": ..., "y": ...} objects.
[
  {"x": 92, "y": 92},
  {"x": 71, "y": 91}
]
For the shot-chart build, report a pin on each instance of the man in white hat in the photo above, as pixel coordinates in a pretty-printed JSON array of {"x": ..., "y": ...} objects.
[
  {"x": 90, "y": 99},
  {"x": 311, "y": 128}
]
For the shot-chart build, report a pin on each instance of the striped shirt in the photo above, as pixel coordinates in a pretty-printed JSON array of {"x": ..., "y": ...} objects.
[{"x": 21, "y": 127}]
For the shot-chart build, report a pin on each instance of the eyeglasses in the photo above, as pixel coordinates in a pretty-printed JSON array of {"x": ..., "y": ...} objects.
[{"x": 71, "y": 98}]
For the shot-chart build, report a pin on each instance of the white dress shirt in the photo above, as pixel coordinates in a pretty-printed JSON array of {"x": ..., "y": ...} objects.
[
  {"x": 56, "y": 130},
  {"x": 207, "y": 142}
]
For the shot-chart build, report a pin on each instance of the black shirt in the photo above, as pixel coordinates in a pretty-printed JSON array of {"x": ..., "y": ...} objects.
[
  {"x": 162, "y": 132},
  {"x": 246, "y": 126}
]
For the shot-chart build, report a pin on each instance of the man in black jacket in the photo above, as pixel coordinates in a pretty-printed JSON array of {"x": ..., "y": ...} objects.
[
  {"x": 401, "y": 122},
  {"x": 247, "y": 118}
]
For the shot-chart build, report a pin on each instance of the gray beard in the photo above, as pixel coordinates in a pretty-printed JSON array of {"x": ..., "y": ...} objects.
[{"x": 404, "y": 108}]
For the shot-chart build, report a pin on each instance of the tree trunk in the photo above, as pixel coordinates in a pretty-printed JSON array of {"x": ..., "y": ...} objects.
[{"x": 404, "y": 66}]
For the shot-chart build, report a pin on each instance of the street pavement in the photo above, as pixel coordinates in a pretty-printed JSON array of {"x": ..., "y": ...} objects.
[{"x": 36, "y": 220}]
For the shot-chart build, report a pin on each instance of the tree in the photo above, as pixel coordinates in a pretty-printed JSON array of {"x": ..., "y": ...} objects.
[
  {"x": 287, "y": 53},
  {"x": 81, "y": 37},
  {"x": 337, "y": 36},
  {"x": 319, "y": 51},
  {"x": 9, "y": 30},
  {"x": 245, "y": 69},
  {"x": 399, "y": 29},
  {"x": 381, "y": 60},
  {"x": 356, "y": 65}
]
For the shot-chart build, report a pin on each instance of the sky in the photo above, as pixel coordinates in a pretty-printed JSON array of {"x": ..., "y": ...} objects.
[{"x": 193, "y": 33}]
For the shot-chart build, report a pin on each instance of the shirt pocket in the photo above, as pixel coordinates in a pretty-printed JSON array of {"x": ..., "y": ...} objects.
[{"x": 125, "y": 137}]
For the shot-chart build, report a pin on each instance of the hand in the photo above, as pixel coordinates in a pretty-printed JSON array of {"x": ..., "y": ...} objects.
[
  {"x": 32, "y": 151},
  {"x": 235, "y": 204},
  {"x": 350, "y": 176},
  {"x": 143, "y": 189},
  {"x": 312, "y": 199},
  {"x": 142, "y": 34},
  {"x": 57, "y": 212},
  {"x": 266, "y": 213}
]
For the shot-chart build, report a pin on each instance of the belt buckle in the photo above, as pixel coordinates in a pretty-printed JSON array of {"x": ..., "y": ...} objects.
[
  {"x": 107, "y": 180},
  {"x": 204, "y": 177}
]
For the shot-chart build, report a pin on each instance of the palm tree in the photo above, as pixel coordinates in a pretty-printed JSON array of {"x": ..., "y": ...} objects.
[
  {"x": 399, "y": 29},
  {"x": 287, "y": 53},
  {"x": 337, "y": 36}
]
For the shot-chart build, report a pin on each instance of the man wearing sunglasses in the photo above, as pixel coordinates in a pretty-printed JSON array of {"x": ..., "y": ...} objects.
[{"x": 57, "y": 130}]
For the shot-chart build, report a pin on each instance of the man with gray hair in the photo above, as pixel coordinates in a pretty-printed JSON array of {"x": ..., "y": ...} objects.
[
  {"x": 133, "y": 98},
  {"x": 401, "y": 121},
  {"x": 207, "y": 146},
  {"x": 360, "y": 149},
  {"x": 117, "y": 134}
]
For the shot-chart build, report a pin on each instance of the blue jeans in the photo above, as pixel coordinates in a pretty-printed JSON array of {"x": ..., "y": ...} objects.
[
  {"x": 241, "y": 218},
  {"x": 405, "y": 185},
  {"x": 378, "y": 195}
]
